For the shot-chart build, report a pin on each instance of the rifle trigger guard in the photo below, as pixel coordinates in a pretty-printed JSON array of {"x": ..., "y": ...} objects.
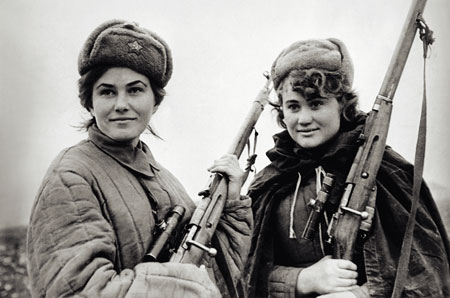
[{"x": 363, "y": 214}]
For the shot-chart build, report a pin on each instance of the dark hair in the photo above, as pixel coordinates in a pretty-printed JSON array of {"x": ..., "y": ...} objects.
[
  {"x": 314, "y": 83},
  {"x": 86, "y": 85}
]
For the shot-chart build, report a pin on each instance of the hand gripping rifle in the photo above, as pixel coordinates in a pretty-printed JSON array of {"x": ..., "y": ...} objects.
[
  {"x": 360, "y": 186},
  {"x": 199, "y": 231}
]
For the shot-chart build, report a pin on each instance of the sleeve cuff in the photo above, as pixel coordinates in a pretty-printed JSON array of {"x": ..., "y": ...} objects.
[
  {"x": 361, "y": 292},
  {"x": 283, "y": 281},
  {"x": 245, "y": 201}
]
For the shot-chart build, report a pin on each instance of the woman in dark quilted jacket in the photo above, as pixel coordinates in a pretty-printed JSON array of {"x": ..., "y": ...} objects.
[
  {"x": 98, "y": 208},
  {"x": 318, "y": 109}
]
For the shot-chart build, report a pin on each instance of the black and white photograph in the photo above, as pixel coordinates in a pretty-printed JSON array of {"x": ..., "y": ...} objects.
[{"x": 201, "y": 148}]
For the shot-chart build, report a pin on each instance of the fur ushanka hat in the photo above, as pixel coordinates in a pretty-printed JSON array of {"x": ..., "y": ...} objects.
[
  {"x": 125, "y": 44},
  {"x": 323, "y": 54}
]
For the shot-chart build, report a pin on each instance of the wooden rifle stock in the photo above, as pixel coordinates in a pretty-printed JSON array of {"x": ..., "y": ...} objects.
[
  {"x": 361, "y": 180},
  {"x": 203, "y": 223}
]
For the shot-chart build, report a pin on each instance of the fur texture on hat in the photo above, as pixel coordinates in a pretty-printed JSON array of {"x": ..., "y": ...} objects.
[
  {"x": 323, "y": 54},
  {"x": 125, "y": 44}
]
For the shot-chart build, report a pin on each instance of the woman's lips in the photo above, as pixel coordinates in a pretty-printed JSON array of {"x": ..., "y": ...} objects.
[
  {"x": 307, "y": 132},
  {"x": 122, "y": 120}
]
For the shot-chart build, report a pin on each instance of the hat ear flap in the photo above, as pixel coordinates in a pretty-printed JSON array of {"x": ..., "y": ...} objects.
[
  {"x": 83, "y": 57},
  {"x": 347, "y": 68}
]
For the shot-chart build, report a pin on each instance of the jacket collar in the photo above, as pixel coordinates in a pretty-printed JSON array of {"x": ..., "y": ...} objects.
[
  {"x": 138, "y": 159},
  {"x": 288, "y": 156}
]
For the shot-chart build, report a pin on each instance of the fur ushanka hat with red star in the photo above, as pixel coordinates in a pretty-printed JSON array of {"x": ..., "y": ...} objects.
[{"x": 119, "y": 43}]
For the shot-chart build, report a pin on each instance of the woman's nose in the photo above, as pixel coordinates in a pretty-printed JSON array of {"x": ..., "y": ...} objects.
[
  {"x": 121, "y": 102},
  {"x": 304, "y": 117}
]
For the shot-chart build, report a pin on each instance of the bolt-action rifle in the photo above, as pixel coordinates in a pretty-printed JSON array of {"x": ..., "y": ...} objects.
[
  {"x": 360, "y": 187},
  {"x": 200, "y": 230},
  {"x": 197, "y": 234}
]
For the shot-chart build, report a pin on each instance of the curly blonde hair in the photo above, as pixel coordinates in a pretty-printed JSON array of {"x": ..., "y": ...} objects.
[{"x": 315, "y": 83}]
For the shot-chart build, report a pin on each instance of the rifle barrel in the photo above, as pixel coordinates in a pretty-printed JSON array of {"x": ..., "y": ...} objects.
[
  {"x": 206, "y": 216},
  {"x": 362, "y": 176},
  {"x": 402, "y": 50}
]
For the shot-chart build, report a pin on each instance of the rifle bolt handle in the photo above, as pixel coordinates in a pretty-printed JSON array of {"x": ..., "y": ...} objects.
[
  {"x": 364, "y": 214},
  {"x": 210, "y": 250}
]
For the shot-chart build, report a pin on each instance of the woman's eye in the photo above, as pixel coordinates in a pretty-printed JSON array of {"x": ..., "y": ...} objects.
[
  {"x": 135, "y": 90},
  {"x": 315, "y": 104},
  {"x": 107, "y": 92},
  {"x": 293, "y": 107}
]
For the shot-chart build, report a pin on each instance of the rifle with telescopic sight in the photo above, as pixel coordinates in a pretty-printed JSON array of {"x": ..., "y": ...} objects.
[
  {"x": 200, "y": 230},
  {"x": 197, "y": 234}
]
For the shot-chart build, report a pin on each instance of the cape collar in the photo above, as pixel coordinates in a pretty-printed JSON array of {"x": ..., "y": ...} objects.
[
  {"x": 288, "y": 156},
  {"x": 138, "y": 159}
]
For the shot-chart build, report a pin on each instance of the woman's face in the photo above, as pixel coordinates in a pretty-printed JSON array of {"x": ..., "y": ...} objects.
[
  {"x": 122, "y": 104},
  {"x": 312, "y": 122}
]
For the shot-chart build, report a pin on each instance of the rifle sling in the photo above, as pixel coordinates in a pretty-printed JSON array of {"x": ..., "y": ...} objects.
[
  {"x": 224, "y": 268},
  {"x": 402, "y": 267}
]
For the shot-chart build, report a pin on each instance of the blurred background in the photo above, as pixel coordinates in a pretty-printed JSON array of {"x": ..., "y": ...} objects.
[{"x": 220, "y": 50}]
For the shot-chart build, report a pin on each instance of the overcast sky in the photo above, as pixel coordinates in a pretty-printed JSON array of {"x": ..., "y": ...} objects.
[{"x": 220, "y": 49}]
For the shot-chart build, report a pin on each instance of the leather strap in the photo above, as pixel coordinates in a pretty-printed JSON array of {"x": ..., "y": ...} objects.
[
  {"x": 225, "y": 269},
  {"x": 402, "y": 267}
]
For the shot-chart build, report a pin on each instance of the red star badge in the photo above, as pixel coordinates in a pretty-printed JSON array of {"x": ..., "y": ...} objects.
[{"x": 134, "y": 47}]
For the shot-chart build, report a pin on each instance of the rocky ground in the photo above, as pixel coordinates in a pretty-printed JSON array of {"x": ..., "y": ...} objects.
[{"x": 13, "y": 273}]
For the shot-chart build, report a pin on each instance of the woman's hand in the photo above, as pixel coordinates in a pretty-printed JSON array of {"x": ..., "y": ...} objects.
[
  {"x": 228, "y": 164},
  {"x": 328, "y": 276}
]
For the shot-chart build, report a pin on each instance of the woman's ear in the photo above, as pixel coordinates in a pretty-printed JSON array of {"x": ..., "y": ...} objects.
[
  {"x": 281, "y": 115},
  {"x": 341, "y": 101},
  {"x": 155, "y": 108},
  {"x": 341, "y": 106},
  {"x": 91, "y": 111}
]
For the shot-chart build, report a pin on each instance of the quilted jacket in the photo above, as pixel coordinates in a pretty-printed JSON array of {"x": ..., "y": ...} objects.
[{"x": 94, "y": 219}]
